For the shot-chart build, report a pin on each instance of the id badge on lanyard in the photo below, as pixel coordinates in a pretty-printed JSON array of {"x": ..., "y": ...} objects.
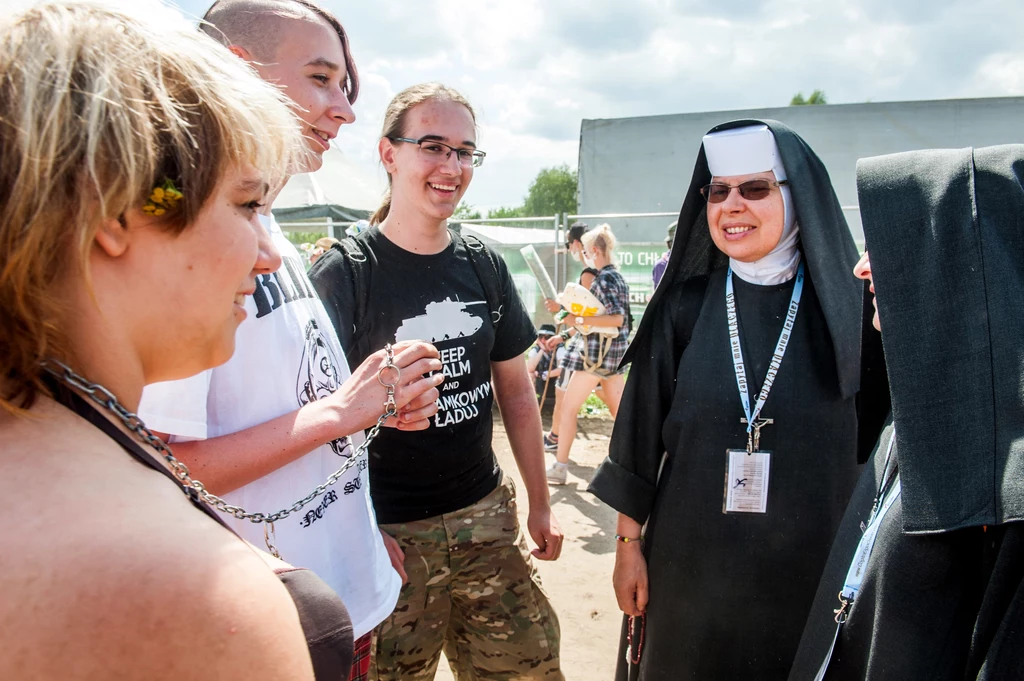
[
  {"x": 746, "y": 481},
  {"x": 746, "y": 470}
]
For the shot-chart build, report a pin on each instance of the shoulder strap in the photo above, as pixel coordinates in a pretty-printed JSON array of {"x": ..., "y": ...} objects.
[
  {"x": 485, "y": 265},
  {"x": 359, "y": 260},
  {"x": 80, "y": 406}
]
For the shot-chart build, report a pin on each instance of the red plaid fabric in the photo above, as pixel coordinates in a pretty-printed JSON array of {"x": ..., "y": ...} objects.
[{"x": 361, "y": 658}]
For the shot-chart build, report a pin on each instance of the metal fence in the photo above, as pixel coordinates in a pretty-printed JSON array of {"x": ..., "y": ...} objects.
[{"x": 636, "y": 258}]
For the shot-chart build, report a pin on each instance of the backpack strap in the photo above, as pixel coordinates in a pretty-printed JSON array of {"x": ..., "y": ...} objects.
[
  {"x": 359, "y": 260},
  {"x": 485, "y": 264}
]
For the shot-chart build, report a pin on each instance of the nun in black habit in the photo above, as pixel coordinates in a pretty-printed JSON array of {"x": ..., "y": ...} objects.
[
  {"x": 927, "y": 570},
  {"x": 739, "y": 520}
]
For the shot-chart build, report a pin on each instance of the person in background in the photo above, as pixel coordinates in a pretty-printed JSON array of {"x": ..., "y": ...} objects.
[
  {"x": 564, "y": 344},
  {"x": 542, "y": 364},
  {"x": 320, "y": 247},
  {"x": 574, "y": 247},
  {"x": 659, "y": 267},
  {"x": 276, "y": 420},
  {"x": 595, "y": 359},
  {"x": 472, "y": 588}
]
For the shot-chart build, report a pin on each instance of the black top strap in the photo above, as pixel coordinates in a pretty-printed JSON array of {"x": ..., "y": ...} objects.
[{"x": 80, "y": 406}]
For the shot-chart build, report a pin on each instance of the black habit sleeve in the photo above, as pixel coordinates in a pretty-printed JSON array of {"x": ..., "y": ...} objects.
[{"x": 627, "y": 479}]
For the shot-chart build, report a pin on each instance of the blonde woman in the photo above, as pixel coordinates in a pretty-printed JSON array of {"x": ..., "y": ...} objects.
[
  {"x": 594, "y": 360},
  {"x": 134, "y": 155}
]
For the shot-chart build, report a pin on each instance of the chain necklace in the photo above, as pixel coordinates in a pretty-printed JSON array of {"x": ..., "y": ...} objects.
[{"x": 106, "y": 399}]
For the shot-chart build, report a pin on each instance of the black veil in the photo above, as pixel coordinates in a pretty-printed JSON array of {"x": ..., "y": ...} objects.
[{"x": 826, "y": 242}]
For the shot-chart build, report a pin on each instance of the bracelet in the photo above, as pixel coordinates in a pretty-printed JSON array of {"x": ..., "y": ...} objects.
[
  {"x": 564, "y": 335},
  {"x": 626, "y": 540}
]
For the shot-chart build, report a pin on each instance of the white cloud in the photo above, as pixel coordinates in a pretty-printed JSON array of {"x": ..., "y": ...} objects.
[
  {"x": 1002, "y": 73},
  {"x": 534, "y": 69}
]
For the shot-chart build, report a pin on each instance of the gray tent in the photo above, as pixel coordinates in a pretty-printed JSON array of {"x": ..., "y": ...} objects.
[{"x": 341, "y": 190}]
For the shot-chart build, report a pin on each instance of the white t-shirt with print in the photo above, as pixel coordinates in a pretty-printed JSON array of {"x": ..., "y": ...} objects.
[{"x": 286, "y": 355}]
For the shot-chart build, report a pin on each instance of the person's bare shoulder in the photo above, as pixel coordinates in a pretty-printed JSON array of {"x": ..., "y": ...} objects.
[{"x": 108, "y": 572}]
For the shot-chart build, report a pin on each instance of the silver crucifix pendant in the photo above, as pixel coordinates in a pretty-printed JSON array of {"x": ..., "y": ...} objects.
[{"x": 754, "y": 436}]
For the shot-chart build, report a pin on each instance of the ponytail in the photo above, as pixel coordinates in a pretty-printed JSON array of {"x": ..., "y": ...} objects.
[{"x": 385, "y": 207}]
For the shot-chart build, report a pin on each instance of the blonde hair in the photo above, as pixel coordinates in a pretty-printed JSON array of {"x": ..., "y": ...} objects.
[
  {"x": 394, "y": 122},
  {"x": 325, "y": 242},
  {"x": 99, "y": 104},
  {"x": 603, "y": 239}
]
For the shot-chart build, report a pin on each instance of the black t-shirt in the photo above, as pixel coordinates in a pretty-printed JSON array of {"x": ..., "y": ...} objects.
[{"x": 437, "y": 298}]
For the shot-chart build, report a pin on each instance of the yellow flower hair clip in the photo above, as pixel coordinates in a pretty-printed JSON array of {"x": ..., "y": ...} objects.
[{"x": 164, "y": 197}]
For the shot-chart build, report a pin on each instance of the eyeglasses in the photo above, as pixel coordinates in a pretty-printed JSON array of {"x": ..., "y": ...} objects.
[
  {"x": 438, "y": 151},
  {"x": 751, "y": 190}
]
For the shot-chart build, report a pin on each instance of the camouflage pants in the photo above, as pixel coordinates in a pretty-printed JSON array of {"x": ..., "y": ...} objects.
[{"x": 473, "y": 591}]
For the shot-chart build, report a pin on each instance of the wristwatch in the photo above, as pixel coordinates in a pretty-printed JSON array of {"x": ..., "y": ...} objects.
[{"x": 564, "y": 335}]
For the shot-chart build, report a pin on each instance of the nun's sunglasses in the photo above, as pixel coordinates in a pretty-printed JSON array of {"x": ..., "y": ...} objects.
[{"x": 751, "y": 190}]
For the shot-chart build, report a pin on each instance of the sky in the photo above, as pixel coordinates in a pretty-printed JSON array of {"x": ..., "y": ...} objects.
[{"x": 534, "y": 69}]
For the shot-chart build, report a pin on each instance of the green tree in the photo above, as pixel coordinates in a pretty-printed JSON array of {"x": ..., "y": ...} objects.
[
  {"x": 299, "y": 238},
  {"x": 552, "y": 191},
  {"x": 495, "y": 216},
  {"x": 466, "y": 212},
  {"x": 505, "y": 212},
  {"x": 817, "y": 97}
]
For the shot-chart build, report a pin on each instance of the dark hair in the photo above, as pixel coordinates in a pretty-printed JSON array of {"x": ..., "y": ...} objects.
[
  {"x": 589, "y": 270},
  {"x": 236, "y": 22},
  {"x": 576, "y": 230}
]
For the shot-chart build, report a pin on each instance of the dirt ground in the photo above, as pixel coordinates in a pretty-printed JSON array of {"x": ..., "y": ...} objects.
[{"x": 579, "y": 583}]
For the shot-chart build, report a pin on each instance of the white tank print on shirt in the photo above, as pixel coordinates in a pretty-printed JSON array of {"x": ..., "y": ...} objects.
[
  {"x": 444, "y": 320},
  {"x": 451, "y": 322}
]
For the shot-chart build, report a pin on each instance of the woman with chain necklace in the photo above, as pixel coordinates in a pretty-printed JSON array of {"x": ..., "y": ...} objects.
[{"x": 134, "y": 154}]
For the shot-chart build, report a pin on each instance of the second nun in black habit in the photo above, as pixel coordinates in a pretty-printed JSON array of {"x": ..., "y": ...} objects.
[
  {"x": 739, "y": 520},
  {"x": 926, "y": 575}
]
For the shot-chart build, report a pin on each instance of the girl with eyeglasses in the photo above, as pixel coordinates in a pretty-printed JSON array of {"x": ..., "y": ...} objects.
[
  {"x": 472, "y": 589},
  {"x": 735, "y": 449}
]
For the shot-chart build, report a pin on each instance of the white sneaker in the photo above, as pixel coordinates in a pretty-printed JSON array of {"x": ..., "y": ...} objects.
[{"x": 557, "y": 473}]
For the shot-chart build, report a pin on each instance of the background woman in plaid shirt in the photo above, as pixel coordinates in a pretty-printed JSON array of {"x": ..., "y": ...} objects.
[{"x": 595, "y": 359}]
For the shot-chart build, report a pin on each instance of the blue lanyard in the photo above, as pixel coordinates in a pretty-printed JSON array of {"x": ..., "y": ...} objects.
[
  {"x": 883, "y": 502},
  {"x": 780, "y": 350},
  {"x": 887, "y": 495}
]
